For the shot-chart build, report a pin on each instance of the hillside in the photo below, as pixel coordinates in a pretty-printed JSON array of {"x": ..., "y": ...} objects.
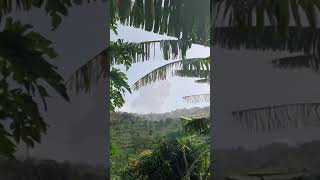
[
  {"x": 196, "y": 111},
  {"x": 135, "y": 134}
]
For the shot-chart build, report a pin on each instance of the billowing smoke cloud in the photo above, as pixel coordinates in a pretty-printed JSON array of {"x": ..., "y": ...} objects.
[{"x": 151, "y": 98}]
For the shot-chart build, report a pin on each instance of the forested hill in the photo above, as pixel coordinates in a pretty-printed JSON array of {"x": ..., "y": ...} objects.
[{"x": 196, "y": 111}]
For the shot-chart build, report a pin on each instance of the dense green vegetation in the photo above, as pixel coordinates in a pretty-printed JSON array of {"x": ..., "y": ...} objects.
[
  {"x": 132, "y": 135},
  {"x": 163, "y": 148},
  {"x": 137, "y": 133}
]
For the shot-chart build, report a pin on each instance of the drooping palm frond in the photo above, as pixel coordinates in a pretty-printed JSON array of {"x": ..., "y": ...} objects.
[
  {"x": 124, "y": 53},
  {"x": 279, "y": 116},
  {"x": 183, "y": 19},
  {"x": 195, "y": 73},
  {"x": 169, "y": 70},
  {"x": 197, "y": 98},
  {"x": 89, "y": 73},
  {"x": 171, "y": 49},
  {"x": 311, "y": 62},
  {"x": 280, "y": 14},
  {"x": 202, "y": 73},
  {"x": 304, "y": 39}
]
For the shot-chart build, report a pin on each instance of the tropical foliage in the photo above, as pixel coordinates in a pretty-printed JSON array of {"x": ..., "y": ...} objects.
[
  {"x": 26, "y": 73},
  {"x": 250, "y": 24},
  {"x": 182, "y": 19},
  {"x": 169, "y": 19},
  {"x": 132, "y": 135},
  {"x": 175, "y": 157},
  {"x": 55, "y": 9},
  {"x": 166, "y": 148},
  {"x": 183, "y": 154}
]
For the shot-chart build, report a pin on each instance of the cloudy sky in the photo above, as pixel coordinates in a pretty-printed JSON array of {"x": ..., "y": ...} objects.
[{"x": 162, "y": 96}]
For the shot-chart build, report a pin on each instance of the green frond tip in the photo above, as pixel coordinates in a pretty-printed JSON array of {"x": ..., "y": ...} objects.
[
  {"x": 279, "y": 116},
  {"x": 171, "y": 49},
  {"x": 202, "y": 73},
  {"x": 123, "y": 53},
  {"x": 169, "y": 70},
  {"x": 196, "y": 124}
]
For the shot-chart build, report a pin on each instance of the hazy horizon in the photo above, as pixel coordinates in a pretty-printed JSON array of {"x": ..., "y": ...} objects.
[{"x": 167, "y": 111}]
